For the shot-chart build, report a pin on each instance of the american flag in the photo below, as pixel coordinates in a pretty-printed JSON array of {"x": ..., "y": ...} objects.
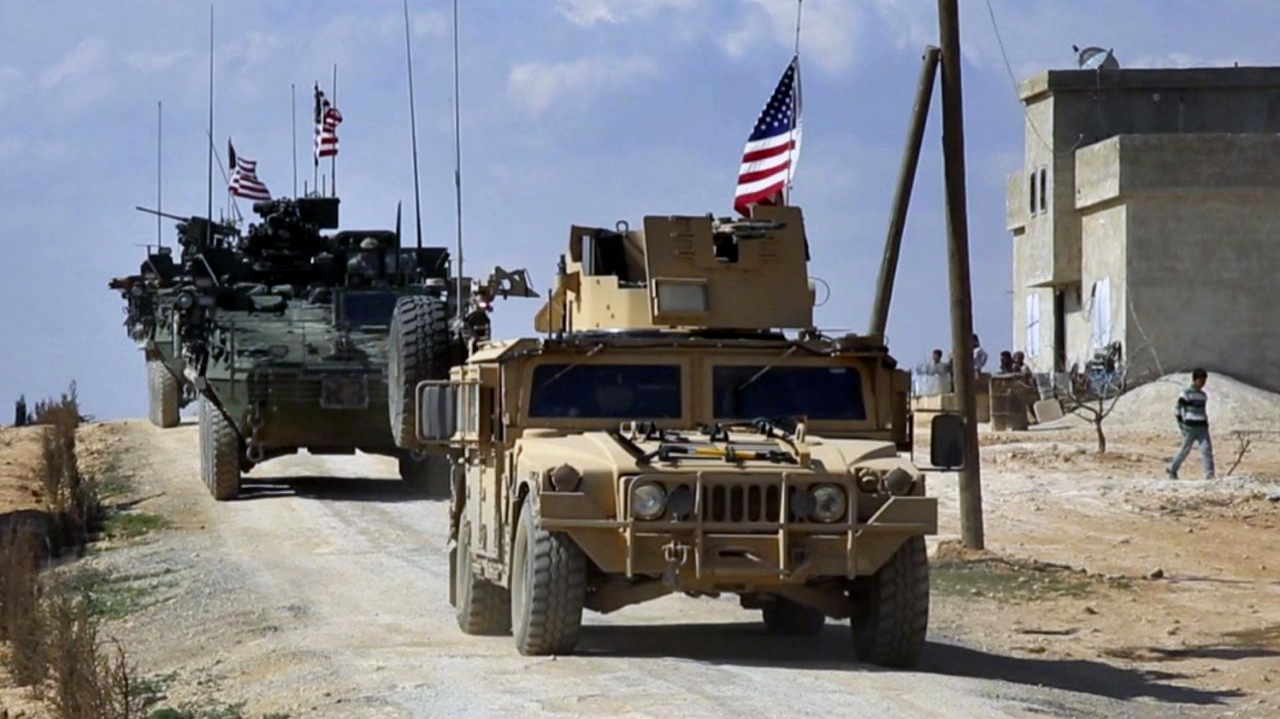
[
  {"x": 244, "y": 177},
  {"x": 327, "y": 120},
  {"x": 769, "y": 159}
]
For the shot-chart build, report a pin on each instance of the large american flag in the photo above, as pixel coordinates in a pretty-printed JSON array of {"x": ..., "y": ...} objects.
[
  {"x": 244, "y": 177},
  {"x": 769, "y": 159},
  {"x": 327, "y": 120}
]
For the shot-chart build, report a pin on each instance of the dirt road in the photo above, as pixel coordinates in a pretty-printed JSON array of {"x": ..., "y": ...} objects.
[{"x": 323, "y": 593}]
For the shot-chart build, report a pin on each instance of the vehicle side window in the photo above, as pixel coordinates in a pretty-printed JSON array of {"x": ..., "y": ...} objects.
[
  {"x": 820, "y": 393},
  {"x": 606, "y": 391}
]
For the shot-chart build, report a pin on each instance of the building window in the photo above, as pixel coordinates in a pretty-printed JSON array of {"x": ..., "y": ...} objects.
[
  {"x": 1031, "y": 190},
  {"x": 1033, "y": 325},
  {"x": 1044, "y": 203},
  {"x": 1101, "y": 313}
]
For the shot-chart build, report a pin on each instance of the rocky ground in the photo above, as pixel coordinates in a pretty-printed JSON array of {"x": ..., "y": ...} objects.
[{"x": 1107, "y": 592}]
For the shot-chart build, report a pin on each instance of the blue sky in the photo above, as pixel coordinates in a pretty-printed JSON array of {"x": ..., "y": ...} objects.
[{"x": 575, "y": 112}]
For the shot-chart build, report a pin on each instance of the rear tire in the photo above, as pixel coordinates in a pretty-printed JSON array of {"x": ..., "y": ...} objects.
[
  {"x": 430, "y": 476},
  {"x": 480, "y": 606},
  {"x": 890, "y": 619},
  {"x": 419, "y": 348},
  {"x": 548, "y": 588},
  {"x": 163, "y": 394},
  {"x": 220, "y": 452},
  {"x": 786, "y": 618}
]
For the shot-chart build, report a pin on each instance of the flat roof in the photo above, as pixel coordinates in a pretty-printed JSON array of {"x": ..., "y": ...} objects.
[{"x": 1052, "y": 81}]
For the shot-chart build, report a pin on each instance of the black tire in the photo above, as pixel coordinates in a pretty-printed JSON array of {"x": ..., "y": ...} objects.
[
  {"x": 891, "y": 617},
  {"x": 548, "y": 588},
  {"x": 163, "y": 395},
  {"x": 480, "y": 606},
  {"x": 418, "y": 348},
  {"x": 220, "y": 452},
  {"x": 787, "y": 618},
  {"x": 430, "y": 476}
]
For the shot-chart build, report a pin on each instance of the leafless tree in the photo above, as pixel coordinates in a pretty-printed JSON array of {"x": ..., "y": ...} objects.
[{"x": 1093, "y": 397}]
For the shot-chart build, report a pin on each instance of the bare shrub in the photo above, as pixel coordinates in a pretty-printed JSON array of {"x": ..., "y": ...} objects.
[{"x": 20, "y": 620}]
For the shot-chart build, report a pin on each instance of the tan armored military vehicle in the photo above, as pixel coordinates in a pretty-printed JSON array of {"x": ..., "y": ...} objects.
[{"x": 665, "y": 435}]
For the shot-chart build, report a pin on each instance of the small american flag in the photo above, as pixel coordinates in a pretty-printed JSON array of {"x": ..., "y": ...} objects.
[
  {"x": 769, "y": 159},
  {"x": 244, "y": 177},
  {"x": 327, "y": 120}
]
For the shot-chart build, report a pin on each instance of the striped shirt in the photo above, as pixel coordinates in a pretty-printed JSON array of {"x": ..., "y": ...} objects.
[{"x": 1191, "y": 408}]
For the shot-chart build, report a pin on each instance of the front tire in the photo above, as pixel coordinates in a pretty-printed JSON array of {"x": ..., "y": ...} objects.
[
  {"x": 548, "y": 588},
  {"x": 163, "y": 394},
  {"x": 220, "y": 452},
  {"x": 891, "y": 617},
  {"x": 419, "y": 349},
  {"x": 480, "y": 606},
  {"x": 786, "y": 618}
]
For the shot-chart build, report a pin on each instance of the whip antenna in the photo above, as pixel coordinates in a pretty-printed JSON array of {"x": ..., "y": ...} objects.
[
  {"x": 457, "y": 154},
  {"x": 413, "y": 134}
]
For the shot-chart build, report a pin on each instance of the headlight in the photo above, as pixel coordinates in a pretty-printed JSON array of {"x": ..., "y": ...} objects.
[
  {"x": 648, "y": 500},
  {"x": 186, "y": 300},
  {"x": 828, "y": 503}
]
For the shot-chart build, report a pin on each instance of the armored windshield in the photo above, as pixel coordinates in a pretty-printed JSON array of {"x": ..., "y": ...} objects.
[
  {"x": 361, "y": 309},
  {"x": 819, "y": 393},
  {"x": 614, "y": 391}
]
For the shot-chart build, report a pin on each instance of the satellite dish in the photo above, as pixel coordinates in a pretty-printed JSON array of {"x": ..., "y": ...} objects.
[{"x": 1095, "y": 58}]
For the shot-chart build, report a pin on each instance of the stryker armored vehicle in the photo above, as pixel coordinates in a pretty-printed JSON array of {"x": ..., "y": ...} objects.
[
  {"x": 150, "y": 314},
  {"x": 681, "y": 426},
  {"x": 284, "y": 337}
]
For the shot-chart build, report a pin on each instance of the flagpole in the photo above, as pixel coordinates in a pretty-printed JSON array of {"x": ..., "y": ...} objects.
[
  {"x": 209, "y": 227},
  {"x": 315, "y": 140},
  {"x": 457, "y": 156},
  {"x": 413, "y": 130},
  {"x": 795, "y": 100},
  {"x": 293, "y": 127},
  {"x": 159, "y": 172},
  {"x": 333, "y": 159}
]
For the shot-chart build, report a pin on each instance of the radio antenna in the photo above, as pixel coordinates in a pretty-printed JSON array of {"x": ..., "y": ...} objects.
[
  {"x": 209, "y": 225},
  {"x": 457, "y": 155},
  {"x": 159, "y": 171},
  {"x": 413, "y": 133}
]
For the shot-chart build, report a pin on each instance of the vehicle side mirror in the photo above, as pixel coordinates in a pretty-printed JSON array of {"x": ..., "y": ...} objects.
[
  {"x": 437, "y": 411},
  {"x": 946, "y": 442}
]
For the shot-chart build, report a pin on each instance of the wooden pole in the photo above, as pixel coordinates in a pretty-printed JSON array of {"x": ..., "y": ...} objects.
[
  {"x": 971, "y": 529},
  {"x": 902, "y": 198}
]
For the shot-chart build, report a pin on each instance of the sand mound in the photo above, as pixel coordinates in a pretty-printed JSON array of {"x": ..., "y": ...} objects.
[{"x": 1233, "y": 405}]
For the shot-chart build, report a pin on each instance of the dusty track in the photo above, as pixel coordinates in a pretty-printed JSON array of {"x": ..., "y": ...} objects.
[{"x": 323, "y": 593}]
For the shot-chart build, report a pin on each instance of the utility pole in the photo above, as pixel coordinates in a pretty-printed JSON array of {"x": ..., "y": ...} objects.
[
  {"x": 902, "y": 198},
  {"x": 971, "y": 530}
]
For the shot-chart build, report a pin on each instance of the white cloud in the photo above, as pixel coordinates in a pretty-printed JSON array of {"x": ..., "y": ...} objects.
[
  {"x": 431, "y": 24},
  {"x": 536, "y": 86},
  {"x": 86, "y": 57},
  {"x": 155, "y": 61},
  {"x": 828, "y": 36},
  {"x": 613, "y": 12}
]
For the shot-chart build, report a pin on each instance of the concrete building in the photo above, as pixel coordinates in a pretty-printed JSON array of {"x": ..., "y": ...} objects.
[{"x": 1148, "y": 213}]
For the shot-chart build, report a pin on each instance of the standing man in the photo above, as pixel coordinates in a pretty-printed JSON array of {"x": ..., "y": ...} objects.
[
  {"x": 1193, "y": 420},
  {"x": 979, "y": 356}
]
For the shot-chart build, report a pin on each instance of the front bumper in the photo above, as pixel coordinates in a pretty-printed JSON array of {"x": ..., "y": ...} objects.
[{"x": 740, "y": 532}]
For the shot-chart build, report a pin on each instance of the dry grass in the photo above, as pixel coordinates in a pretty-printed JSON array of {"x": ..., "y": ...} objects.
[{"x": 55, "y": 646}]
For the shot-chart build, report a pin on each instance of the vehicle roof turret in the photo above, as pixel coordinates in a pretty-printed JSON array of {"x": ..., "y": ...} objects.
[{"x": 685, "y": 273}]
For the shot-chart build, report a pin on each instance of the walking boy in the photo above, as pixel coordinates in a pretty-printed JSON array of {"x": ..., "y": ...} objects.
[{"x": 1193, "y": 420}]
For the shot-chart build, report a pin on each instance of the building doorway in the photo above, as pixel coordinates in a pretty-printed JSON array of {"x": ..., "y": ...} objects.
[{"x": 1059, "y": 331}]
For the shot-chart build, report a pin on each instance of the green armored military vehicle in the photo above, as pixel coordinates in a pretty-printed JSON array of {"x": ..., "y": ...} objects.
[
  {"x": 153, "y": 321},
  {"x": 283, "y": 334},
  {"x": 681, "y": 426}
]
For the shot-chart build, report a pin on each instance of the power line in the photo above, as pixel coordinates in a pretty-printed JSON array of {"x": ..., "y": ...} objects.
[{"x": 995, "y": 26}]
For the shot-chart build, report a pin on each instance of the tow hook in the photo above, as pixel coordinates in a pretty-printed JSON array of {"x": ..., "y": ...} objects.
[{"x": 676, "y": 555}]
